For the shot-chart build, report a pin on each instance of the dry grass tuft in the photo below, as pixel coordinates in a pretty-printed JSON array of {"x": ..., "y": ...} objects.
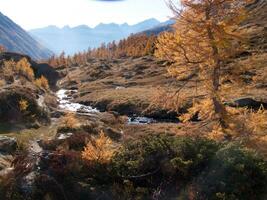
[
  {"x": 70, "y": 121},
  {"x": 8, "y": 68},
  {"x": 257, "y": 121},
  {"x": 2, "y": 83}
]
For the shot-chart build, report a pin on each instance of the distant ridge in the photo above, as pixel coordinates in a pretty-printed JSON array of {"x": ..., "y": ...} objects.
[
  {"x": 165, "y": 26},
  {"x": 73, "y": 40},
  {"x": 15, "y": 39}
]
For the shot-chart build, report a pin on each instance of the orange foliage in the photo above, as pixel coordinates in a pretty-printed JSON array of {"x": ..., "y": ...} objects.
[
  {"x": 9, "y": 68},
  {"x": 23, "y": 67},
  {"x": 70, "y": 121},
  {"x": 203, "y": 40},
  {"x": 133, "y": 46},
  {"x": 42, "y": 82},
  {"x": 98, "y": 150},
  {"x": 23, "y": 105}
]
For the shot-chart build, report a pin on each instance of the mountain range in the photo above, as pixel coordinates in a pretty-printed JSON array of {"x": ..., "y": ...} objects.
[
  {"x": 15, "y": 39},
  {"x": 80, "y": 38},
  {"x": 42, "y": 43}
]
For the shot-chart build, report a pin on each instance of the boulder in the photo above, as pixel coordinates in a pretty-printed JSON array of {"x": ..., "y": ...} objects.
[
  {"x": 10, "y": 112},
  {"x": 56, "y": 114},
  {"x": 248, "y": 102},
  {"x": 8, "y": 145}
]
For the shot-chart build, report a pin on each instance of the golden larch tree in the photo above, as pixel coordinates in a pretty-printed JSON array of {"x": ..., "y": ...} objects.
[
  {"x": 99, "y": 150},
  {"x": 202, "y": 41}
]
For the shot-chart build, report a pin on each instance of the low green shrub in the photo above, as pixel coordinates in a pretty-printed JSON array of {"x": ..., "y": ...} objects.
[
  {"x": 235, "y": 173},
  {"x": 155, "y": 167},
  {"x": 162, "y": 161},
  {"x": 182, "y": 156},
  {"x": 194, "y": 167}
]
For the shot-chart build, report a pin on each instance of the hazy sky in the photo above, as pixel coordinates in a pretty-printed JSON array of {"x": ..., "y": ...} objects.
[{"x": 39, "y": 13}]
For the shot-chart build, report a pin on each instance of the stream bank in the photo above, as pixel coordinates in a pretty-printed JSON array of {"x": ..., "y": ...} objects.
[{"x": 66, "y": 103}]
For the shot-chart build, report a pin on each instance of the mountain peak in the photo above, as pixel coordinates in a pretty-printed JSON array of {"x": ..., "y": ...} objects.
[
  {"x": 125, "y": 24},
  {"x": 147, "y": 24},
  {"x": 109, "y": 25},
  {"x": 154, "y": 20},
  {"x": 66, "y": 27}
]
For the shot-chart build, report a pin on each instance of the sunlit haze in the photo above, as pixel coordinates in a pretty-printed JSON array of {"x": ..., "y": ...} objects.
[{"x": 39, "y": 13}]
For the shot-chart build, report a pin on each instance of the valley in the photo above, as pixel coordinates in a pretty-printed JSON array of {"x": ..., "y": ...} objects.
[{"x": 72, "y": 40}]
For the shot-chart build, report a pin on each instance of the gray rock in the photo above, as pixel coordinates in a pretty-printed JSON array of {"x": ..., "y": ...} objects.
[
  {"x": 56, "y": 114},
  {"x": 7, "y": 144},
  {"x": 64, "y": 136},
  {"x": 248, "y": 102}
]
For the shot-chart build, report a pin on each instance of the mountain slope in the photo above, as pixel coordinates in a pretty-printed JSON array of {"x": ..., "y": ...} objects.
[
  {"x": 15, "y": 39},
  {"x": 73, "y": 40}
]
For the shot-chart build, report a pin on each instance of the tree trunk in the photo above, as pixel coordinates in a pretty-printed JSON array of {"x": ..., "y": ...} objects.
[
  {"x": 215, "y": 77},
  {"x": 218, "y": 106}
]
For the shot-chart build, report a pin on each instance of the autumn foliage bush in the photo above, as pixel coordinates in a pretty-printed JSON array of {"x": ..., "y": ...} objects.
[
  {"x": 42, "y": 82},
  {"x": 9, "y": 70},
  {"x": 69, "y": 122},
  {"x": 23, "y": 105},
  {"x": 23, "y": 67},
  {"x": 98, "y": 150}
]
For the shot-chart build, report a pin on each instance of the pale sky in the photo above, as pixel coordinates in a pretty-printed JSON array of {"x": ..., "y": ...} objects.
[{"x": 32, "y": 14}]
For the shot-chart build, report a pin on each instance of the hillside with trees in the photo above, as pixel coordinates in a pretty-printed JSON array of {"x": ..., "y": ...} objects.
[{"x": 134, "y": 46}]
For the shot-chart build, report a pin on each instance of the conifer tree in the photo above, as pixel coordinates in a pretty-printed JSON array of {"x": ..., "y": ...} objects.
[{"x": 203, "y": 40}]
